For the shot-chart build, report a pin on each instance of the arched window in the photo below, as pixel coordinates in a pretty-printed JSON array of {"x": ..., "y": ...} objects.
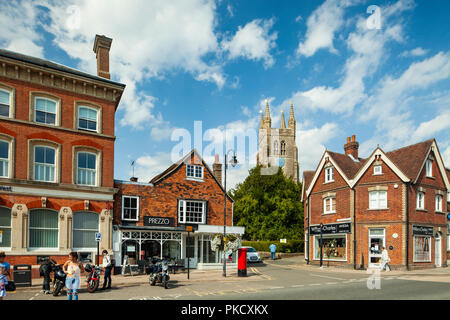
[
  {"x": 85, "y": 225},
  {"x": 275, "y": 147},
  {"x": 43, "y": 229},
  {"x": 283, "y": 148},
  {"x": 5, "y": 227}
]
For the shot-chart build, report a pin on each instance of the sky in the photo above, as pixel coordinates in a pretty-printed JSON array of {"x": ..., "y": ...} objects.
[{"x": 198, "y": 72}]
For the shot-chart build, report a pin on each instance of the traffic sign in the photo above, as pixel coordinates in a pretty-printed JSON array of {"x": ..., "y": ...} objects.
[{"x": 98, "y": 236}]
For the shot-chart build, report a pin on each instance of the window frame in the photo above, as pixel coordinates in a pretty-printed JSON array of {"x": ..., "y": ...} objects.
[
  {"x": 375, "y": 173},
  {"x": 316, "y": 245},
  {"x": 183, "y": 202},
  {"x": 97, "y": 121},
  {"x": 194, "y": 170},
  {"x": 56, "y": 110},
  {"x": 77, "y": 168},
  {"x": 329, "y": 174},
  {"x": 283, "y": 148},
  {"x": 137, "y": 208},
  {"x": 10, "y": 102},
  {"x": 55, "y": 165},
  {"x": 29, "y": 247},
  {"x": 429, "y": 168},
  {"x": 378, "y": 200},
  {"x": 91, "y": 230},
  {"x": 327, "y": 199},
  {"x": 12, "y": 99},
  {"x": 438, "y": 203},
  {"x": 422, "y": 207},
  {"x": 7, "y": 227},
  {"x": 414, "y": 248},
  {"x": 9, "y": 160}
]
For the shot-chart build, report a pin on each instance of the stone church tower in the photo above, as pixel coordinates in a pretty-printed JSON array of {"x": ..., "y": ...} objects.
[{"x": 277, "y": 146}]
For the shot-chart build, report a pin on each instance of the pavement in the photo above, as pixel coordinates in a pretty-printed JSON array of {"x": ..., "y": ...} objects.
[{"x": 284, "y": 279}]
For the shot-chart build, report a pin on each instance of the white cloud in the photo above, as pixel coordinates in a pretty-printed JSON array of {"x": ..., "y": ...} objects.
[
  {"x": 446, "y": 157},
  {"x": 147, "y": 167},
  {"x": 417, "y": 52},
  {"x": 253, "y": 41},
  {"x": 430, "y": 128}
]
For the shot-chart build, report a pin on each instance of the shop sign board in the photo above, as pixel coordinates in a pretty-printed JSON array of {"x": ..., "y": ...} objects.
[
  {"x": 159, "y": 221},
  {"x": 331, "y": 228},
  {"x": 422, "y": 230}
]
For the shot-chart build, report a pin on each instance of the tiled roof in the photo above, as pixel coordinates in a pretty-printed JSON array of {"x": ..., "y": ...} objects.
[
  {"x": 409, "y": 159},
  {"x": 347, "y": 164},
  {"x": 307, "y": 178}
]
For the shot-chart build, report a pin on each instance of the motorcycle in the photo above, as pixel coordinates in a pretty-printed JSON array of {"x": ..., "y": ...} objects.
[
  {"x": 59, "y": 279},
  {"x": 160, "y": 273},
  {"x": 93, "y": 277}
]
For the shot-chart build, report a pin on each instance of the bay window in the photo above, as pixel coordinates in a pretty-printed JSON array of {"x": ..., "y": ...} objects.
[
  {"x": 378, "y": 200},
  {"x": 190, "y": 211}
]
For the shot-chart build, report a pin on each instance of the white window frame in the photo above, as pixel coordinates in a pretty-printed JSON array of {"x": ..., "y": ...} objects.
[
  {"x": 429, "y": 168},
  {"x": 55, "y": 165},
  {"x": 8, "y": 160},
  {"x": 325, "y": 202},
  {"x": 10, "y": 102},
  {"x": 414, "y": 248},
  {"x": 96, "y": 121},
  {"x": 379, "y": 204},
  {"x": 56, "y": 110},
  {"x": 96, "y": 169},
  {"x": 137, "y": 208},
  {"x": 194, "y": 170},
  {"x": 438, "y": 203},
  {"x": 182, "y": 218},
  {"x": 448, "y": 196},
  {"x": 377, "y": 172},
  {"x": 420, "y": 205},
  {"x": 329, "y": 174}
]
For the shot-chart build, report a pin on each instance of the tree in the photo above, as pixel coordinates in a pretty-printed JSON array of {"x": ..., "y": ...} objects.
[{"x": 268, "y": 206}]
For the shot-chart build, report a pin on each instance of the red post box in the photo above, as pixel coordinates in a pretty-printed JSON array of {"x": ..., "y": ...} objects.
[{"x": 242, "y": 262}]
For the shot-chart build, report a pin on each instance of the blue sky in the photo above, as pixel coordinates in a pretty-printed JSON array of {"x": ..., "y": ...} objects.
[{"x": 217, "y": 61}]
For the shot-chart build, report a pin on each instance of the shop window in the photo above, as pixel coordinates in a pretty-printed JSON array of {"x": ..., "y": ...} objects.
[
  {"x": 43, "y": 228},
  {"x": 194, "y": 172},
  {"x": 422, "y": 249},
  {"x": 5, "y": 227},
  {"x": 86, "y": 168},
  {"x": 172, "y": 250},
  {"x": 438, "y": 203},
  {"x": 191, "y": 211},
  {"x": 420, "y": 203},
  {"x": 130, "y": 208},
  {"x": 378, "y": 200},
  {"x": 329, "y": 205},
  {"x": 334, "y": 247},
  {"x": 85, "y": 225},
  {"x": 329, "y": 174}
]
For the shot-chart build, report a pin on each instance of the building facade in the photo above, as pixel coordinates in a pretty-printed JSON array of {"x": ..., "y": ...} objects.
[
  {"x": 56, "y": 162},
  {"x": 276, "y": 147},
  {"x": 396, "y": 199},
  {"x": 151, "y": 219}
]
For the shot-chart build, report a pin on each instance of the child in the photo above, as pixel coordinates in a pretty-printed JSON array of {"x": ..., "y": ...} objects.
[{"x": 4, "y": 270}]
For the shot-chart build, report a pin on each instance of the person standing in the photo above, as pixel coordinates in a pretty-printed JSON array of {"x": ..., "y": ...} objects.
[
  {"x": 273, "y": 249},
  {"x": 385, "y": 259},
  {"x": 73, "y": 268},
  {"x": 107, "y": 266},
  {"x": 47, "y": 268},
  {"x": 4, "y": 274}
]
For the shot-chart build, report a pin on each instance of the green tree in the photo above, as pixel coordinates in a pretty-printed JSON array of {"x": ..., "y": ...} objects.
[{"x": 268, "y": 206}]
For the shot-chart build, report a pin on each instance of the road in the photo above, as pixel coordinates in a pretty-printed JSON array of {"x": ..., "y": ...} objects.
[{"x": 281, "y": 280}]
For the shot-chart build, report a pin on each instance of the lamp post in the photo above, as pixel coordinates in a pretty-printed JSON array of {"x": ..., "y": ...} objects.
[
  {"x": 321, "y": 245},
  {"x": 233, "y": 163}
]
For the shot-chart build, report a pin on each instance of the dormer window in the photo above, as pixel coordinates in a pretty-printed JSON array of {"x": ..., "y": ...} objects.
[
  {"x": 329, "y": 174},
  {"x": 377, "y": 170},
  {"x": 194, "y": 172},
  {"x": 429, "y": 168}
]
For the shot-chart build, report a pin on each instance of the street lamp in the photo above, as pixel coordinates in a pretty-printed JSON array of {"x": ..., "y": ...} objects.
[
  {"x": 321, "y": 245},
  {"x": 233, "y": 162}
]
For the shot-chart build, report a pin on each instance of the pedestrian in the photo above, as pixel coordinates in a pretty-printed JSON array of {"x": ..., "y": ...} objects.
[
  {"x": 107, "y": 266},
  {"x": 46, "y": 269},
  {"x": 4, "y": 274},
  {"x": 273, "y": 249},
  {"x": 73, "y": 268},
  {"x": 385, "y": 260}
]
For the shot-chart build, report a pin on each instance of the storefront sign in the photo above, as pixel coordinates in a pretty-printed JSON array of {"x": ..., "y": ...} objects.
[
  {"x": 331, "y": 228},
  {"x": 422, "y": 231},
  {"x": 5, "y": 188},
  {"x": 159, "y": 221}
]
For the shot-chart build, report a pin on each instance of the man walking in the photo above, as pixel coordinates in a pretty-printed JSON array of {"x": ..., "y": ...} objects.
[
  {"x": 108, "y": 267},
  {"x": 273, "y": 249},
  {"x": 385, "y": 259}
]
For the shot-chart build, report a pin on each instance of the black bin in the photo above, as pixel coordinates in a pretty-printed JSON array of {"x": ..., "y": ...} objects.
[{"x": 22, "y": 275}]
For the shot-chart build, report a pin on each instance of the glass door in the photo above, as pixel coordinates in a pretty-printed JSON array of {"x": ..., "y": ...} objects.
[{"x": 376, "y": 242}]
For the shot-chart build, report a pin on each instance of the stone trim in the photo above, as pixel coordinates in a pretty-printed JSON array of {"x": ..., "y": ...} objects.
[
  {"x": 440, "y": 192},
  {"x": 378, "y": 188},
  {"x": 328, "y": 195},
  {"x": 421, "y": 189}
]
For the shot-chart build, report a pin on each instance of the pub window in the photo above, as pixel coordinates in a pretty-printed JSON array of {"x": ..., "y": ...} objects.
[
  {"x": 329, "y": 174},
  {"x": 439, "y": 203},
  {"x": 420, "y": 203},
  {"x": 422, "y": 249},
  {"x": 130, "y": 208},
  {"x": 193, "y": 171},
  {"x": 378, "y": 200},
  {"x": 5, "y": 227},
  {"x": 43, "y": 228},
  {"x": 5, "y": 103},
  {"x": 85, "y": 225},
  {"x": 429, "y": 168},
  {"x": 334, "y": 247},
  {"x": 329, "y": 205},
  {"x": 191, "y": 211},
  {"x": 4, "y": 159}
]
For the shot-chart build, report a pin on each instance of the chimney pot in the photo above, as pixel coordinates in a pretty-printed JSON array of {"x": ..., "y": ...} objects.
[
  {"x": 353, "y": 138},
  {"x": 102, "y": 45},
  {"x": 348, "y": 139}
]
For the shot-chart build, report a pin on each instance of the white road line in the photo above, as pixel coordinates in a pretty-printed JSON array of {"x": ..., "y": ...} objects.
[
  {"x": 331, "y": 282},
  {"x": 315, "y": 284},
  {"x": 275, "y": 288},
  {"x": 322, "y": 276},
  {"x": 298, "y": 285}
]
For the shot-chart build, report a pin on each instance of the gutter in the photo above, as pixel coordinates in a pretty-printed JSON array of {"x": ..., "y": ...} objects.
[
  {"x": 407, "y": 226},
  {"x": 354, "y": 229},
  {"x": 307, "y": 239}
]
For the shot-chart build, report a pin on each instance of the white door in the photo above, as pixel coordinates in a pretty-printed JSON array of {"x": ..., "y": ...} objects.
[{"x": 437, "y": 250}]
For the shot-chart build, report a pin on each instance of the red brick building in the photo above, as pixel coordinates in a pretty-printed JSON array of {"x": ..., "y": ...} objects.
[
  {"x": 150, "y": 219},
  {"x": 56, "y": 156},
  {"x": 396, "y": 199}
]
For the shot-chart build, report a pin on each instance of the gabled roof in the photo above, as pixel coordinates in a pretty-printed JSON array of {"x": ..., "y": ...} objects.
[
  {"x": 349, "y": 166},
  {"x": 186, "y": 159},
  {"x": 307, "y": 178}
]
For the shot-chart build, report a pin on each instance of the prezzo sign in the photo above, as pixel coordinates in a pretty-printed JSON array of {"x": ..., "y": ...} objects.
[
  {"x": 331, "y": 228},
  {"x": 422, "y": 231},
  {"x": 159, "y": 221}
]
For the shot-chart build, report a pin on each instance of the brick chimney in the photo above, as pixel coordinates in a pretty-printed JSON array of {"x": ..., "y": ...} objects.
[
  {"x": 351, "y": 147},
  {"x": 217, "y": 169},
  {"x": 102, "y": 45}
]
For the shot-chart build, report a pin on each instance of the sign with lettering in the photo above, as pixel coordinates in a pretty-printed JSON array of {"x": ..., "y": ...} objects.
[
  {"x": 331, "y": 228},
  {"x": 422, "y": 230},
  {"x": 159, "y": 221},
  {"x": 5, "y": 188}
]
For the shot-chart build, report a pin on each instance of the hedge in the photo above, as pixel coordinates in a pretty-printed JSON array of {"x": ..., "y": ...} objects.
[{"x": 290, "y": 247}]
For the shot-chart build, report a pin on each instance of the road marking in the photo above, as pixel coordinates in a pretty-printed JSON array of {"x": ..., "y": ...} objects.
[
  {"x": 270, "y": 288},
  {"x": 331, "y": 282},
  {"x": 298, "y": 286},
  {"x": 315, "y": 284},
  {"x": 322, "y": 276},
  {"x": 157, "y": 298}
]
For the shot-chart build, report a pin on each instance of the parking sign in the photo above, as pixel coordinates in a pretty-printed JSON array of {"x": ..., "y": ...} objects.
[{"x": 98, "y": 236}]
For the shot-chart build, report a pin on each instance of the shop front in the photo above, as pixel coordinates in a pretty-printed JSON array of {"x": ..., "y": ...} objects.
[
  {"x": 422, "y": 244},
  {"x": 335, "y": 238}
]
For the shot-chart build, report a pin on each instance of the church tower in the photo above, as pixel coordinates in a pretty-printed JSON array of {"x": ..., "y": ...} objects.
[{"x": 277, "y": 146}]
